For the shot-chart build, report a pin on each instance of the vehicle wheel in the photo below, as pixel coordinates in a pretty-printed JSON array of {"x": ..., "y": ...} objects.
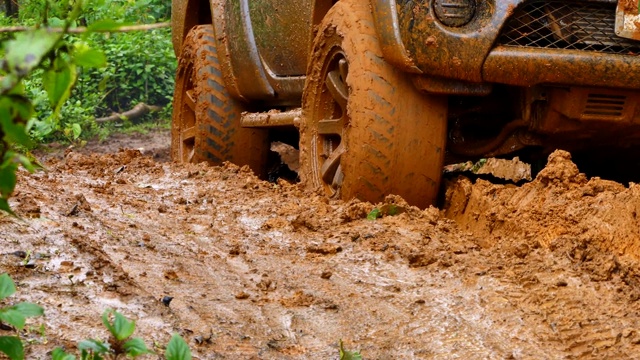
[
  {"x": 366, "y": 131},
  {"x": 206, "y": 119}
]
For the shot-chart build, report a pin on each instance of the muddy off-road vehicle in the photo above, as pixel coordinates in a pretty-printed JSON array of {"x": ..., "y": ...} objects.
[{"x": 377, "y": 92}]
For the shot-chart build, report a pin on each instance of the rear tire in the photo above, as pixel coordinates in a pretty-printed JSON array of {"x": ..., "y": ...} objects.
[
  {"x": 206, "y": 119},
  {"x": 366, "y": 131}
]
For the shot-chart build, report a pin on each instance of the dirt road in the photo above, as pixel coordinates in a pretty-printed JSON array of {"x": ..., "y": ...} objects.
[{"x": 259, "y": 270}]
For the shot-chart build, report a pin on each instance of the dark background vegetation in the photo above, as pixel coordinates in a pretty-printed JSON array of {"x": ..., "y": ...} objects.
[{"x": 140, "y": 66}]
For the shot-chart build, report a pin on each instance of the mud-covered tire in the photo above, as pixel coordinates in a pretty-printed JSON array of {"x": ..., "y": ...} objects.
[
  {"x": 206, "y": 119},
  {"x": 366, "y": 131}
]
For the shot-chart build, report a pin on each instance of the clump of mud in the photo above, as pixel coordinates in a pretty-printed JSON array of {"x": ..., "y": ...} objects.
[{"x": 560, "y": 205}]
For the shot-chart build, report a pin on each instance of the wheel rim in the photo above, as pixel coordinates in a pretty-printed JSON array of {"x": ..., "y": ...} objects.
[
  {"x": 331, "y": 120},
  {"x": 187, "y": 128}
]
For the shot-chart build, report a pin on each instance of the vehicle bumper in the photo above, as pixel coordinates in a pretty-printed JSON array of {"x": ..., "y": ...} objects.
[
  {"x": 503, "y": 45},
  {"x": 525, "y": 67}
]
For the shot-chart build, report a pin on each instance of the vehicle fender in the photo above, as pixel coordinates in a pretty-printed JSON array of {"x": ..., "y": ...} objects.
[
  {"x": 186, "y": 14},
  {"x": 388, "y": 30}
]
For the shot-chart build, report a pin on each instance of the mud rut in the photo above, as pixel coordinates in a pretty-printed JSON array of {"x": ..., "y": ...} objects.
[{"x": 267, "y": 271}]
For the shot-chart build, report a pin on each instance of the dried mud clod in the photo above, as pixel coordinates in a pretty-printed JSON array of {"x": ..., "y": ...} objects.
[
  {"x": 561, "y": 210},
  {"x": 560, "y": 170},
  {"x": 80, "y": 205}
]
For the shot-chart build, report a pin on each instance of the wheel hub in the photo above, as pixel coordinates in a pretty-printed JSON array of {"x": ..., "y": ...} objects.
[
  {"x": 333, "y": 121},
  {"x": 187, "y": 131}
]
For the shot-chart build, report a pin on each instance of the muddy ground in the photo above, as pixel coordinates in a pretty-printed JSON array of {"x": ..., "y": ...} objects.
[{"x": 257, "y": 270}]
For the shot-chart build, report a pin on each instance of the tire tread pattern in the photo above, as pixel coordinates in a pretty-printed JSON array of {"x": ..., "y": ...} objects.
[
  {"x": 219, "y": 135},
  {"x": 395, "y": 139}
]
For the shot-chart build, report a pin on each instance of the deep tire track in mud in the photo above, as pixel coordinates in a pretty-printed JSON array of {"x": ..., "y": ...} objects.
[{"x": 262, "y": 270}]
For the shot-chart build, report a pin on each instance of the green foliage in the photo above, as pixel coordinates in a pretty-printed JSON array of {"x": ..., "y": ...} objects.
[
  {"x": 374, "y": 214},
  {"x": 385, "y": 210},
  {"x": 129, "y": 68},
  {"x": 349, "y": 355},
  {"x": 121, "y": 329},
  {"x": 121, "y": 343},
  {"x": 177, "y": 349},
  {"x": 16, "y": 316}
]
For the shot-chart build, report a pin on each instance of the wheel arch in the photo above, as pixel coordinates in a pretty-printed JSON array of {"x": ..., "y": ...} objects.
[
  {"x": 388, "y": 30},
  {"x": 185, "y": 14}
]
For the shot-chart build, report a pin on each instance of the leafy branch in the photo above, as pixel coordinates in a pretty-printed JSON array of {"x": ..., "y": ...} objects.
[{"x": 85, "y": 29}]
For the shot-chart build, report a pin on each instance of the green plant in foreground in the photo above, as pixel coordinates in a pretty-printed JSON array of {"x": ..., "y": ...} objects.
[
  {"x": 349, "y": 355},
  {"x": 119, "y": 327},
  {"x": 121, "y": 343},
  {"x": 16, "y": 316}
]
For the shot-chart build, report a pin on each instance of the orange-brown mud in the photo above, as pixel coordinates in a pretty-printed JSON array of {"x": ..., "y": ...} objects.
[{"x": 546, "y": 270}]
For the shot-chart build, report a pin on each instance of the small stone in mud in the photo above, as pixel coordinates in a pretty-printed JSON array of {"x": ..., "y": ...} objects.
[
  {"x": 520, "y": 250},
  {"x": 326, "y": 275},
  {"x": 420, "y": 301},
  {"x": 21, "y": 254},
  {"x": 80, "y": 204},
  {"x": 170, "y": 274},
  {"x": 162, "y": 208},
  {"x": 236, "y": 250},
  {"x": 242, "y": 295},
  {"x": 324, "y": 249},
  {"x": 561, "y": 283},
  {"x": 421, "y": 259},
  {"x": 166, "y": 300}
]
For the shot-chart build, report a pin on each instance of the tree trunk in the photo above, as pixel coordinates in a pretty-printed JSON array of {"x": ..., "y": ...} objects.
[
  {"x": 132, "y": 114},
  {"x": 11, "y": 8}
]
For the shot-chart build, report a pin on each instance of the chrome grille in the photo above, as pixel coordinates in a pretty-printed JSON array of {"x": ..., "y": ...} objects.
[{"x": 587, "y": 26}]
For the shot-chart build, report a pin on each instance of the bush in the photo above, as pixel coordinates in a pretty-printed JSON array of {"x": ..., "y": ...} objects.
[{"x": 140, "y": 65}]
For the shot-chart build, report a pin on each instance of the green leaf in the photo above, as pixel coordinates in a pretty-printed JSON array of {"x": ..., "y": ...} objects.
[
  {"x": 59, "y": 354},
  {"x": 55, "y": 22},
  {"x": 90, "y": 58},
  {"x": 107, "y": 323},
  {"x": 349, "y": 355},
  {"x": 27, "y": 49},
  {"x": 13, "y": 317},
  {"x": 96, "y": 346},
  {"x": 29, "y": 309},
  {"x": 58, "y": 82},
  {"x": 4, "y": 206},
  {"x": 77, "y": 130},
  {"x": 12, "y": 346},
  {"x": 121, "y": 328},
  {"x": 7, "y": 287},
  {"x": 374, "y": 214},
  {"x": 177, "y": 349},
  {"x": 136, "y": 347},
  {"x": 105, "y": 25},
  {"x": 14, "y": 111},
  {"x": 7, "y": 178},
  {"x": 25, "y": 162}
]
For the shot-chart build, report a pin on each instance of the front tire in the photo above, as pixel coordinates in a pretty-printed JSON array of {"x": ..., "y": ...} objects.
[
  {"x": 366, "y": 131},
  {"x": 206, "y": 119}
]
